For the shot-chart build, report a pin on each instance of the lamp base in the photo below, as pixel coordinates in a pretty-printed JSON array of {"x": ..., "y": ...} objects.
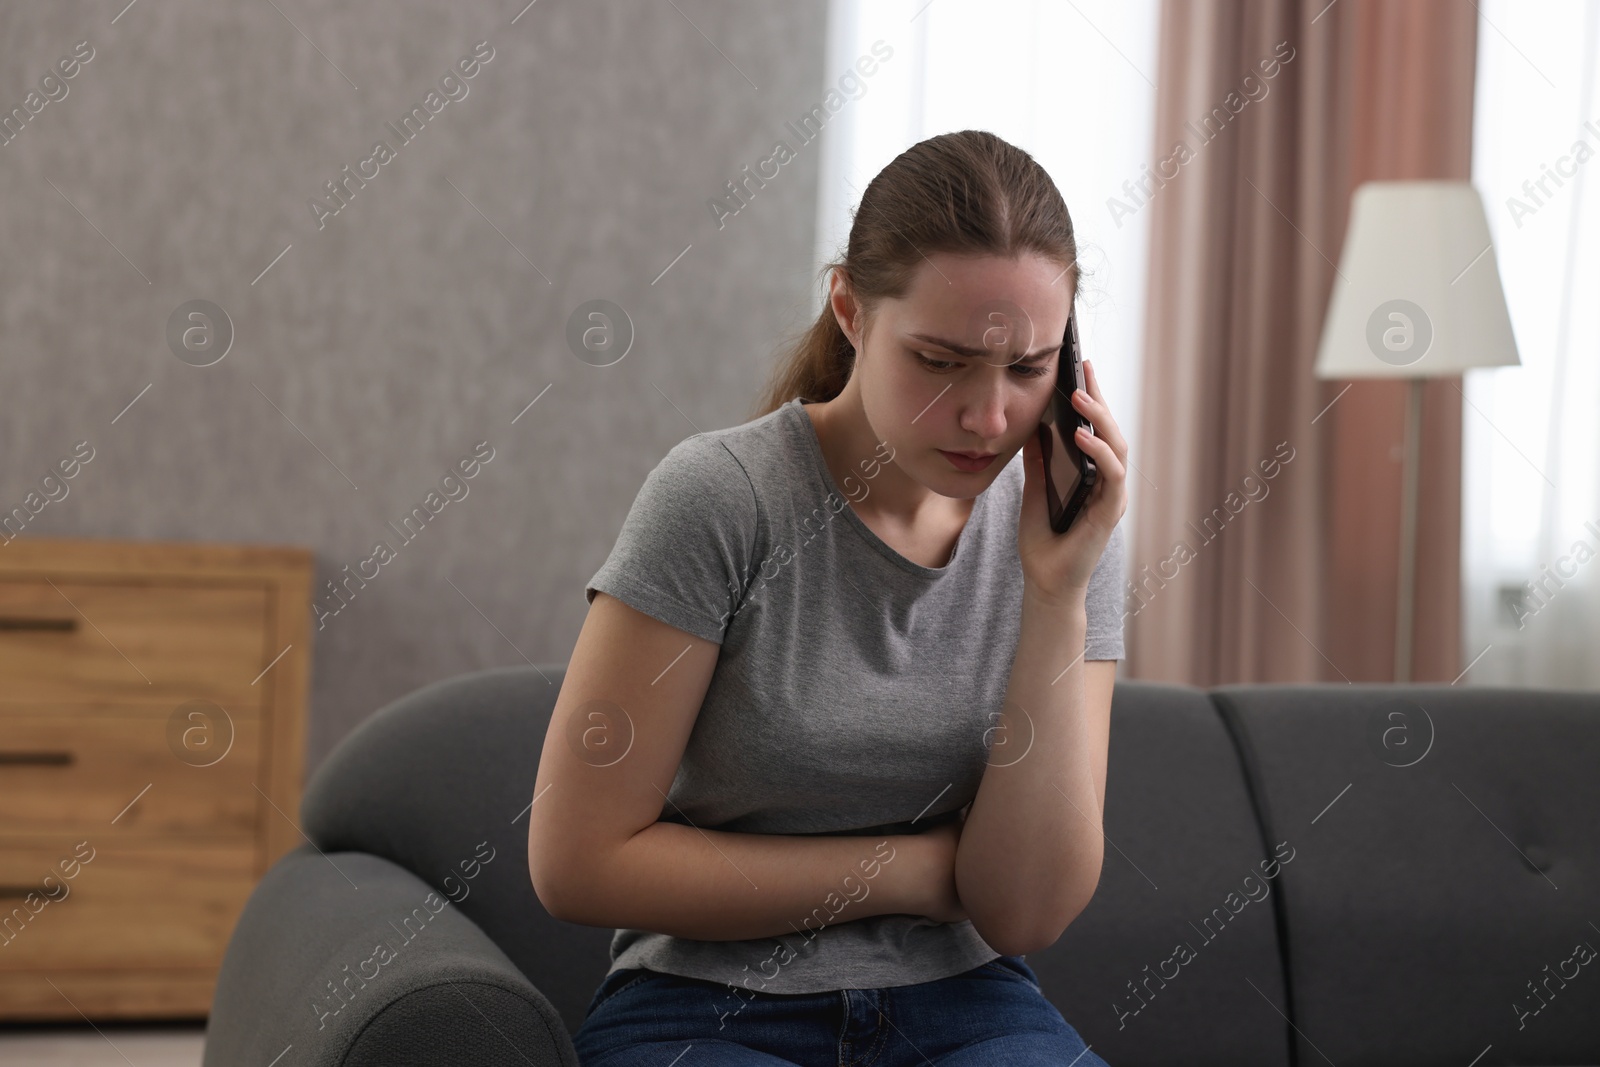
[{"x": 1408, "y": 532}]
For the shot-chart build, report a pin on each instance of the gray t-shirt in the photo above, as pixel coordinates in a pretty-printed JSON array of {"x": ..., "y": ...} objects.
[{"x": 855, "y": 692}]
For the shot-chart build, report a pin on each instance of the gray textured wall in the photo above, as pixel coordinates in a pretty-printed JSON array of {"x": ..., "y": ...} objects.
[{"x": 373, "y": 355}]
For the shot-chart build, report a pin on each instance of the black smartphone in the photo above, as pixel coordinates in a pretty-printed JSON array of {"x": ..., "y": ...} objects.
[{"x": 1069, "y": 474}]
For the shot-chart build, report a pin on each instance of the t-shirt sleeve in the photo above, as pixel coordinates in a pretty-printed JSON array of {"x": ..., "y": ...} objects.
[
  {"x": 1103, "y": 606},
  {"x": 688, "y": 541}
]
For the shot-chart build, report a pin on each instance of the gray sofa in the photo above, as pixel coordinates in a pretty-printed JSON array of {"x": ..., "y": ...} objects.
[{"x": 1295, "y": 874}]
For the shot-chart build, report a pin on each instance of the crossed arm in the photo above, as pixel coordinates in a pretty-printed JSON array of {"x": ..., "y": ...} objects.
[{"x": 1026, "y": 863}]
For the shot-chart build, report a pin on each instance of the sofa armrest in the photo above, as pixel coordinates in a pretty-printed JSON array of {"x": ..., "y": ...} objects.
[{"x": 349, "y": 960}]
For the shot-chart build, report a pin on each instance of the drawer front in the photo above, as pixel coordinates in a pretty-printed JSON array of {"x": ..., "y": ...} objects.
[
  {"x": 162, "y": 641},
  {"x": 79, "y": 903},
  {"x": 73, "y": 770},
  {"x": 174, "y": 993}
]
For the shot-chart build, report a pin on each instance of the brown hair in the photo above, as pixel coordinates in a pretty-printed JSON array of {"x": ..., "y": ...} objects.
[{"x": 965, "y": 193}]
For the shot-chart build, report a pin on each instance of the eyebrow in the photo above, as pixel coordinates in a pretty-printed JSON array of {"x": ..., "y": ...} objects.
[{"x": 978, "y": 353}]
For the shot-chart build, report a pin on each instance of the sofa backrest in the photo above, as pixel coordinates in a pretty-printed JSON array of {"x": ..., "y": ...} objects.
[{"x": 1441, "y": 903}]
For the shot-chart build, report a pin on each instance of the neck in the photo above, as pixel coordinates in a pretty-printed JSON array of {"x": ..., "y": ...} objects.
[{"x": 852, "y": 449}]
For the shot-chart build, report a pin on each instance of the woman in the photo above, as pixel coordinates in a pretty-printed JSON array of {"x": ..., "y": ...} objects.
[{"x": 830, "y": 750}]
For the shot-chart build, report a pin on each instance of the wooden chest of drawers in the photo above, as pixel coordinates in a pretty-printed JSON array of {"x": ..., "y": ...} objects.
[{"x": 152, "y": 733}]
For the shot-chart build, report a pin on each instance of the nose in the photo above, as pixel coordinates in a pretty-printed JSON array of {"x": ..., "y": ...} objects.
[{"x": 983, "y": 407}]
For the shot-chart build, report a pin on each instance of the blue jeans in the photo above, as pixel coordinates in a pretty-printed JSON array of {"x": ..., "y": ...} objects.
[{"x": 994, "y": 1013}]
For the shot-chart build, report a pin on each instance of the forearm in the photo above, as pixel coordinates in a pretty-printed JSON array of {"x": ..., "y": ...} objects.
[
  {"x": 711, "y": 885},
  {"x": 1032, "y": 846}
]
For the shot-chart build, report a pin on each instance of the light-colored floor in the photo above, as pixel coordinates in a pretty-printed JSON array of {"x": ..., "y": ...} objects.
[{"x": 113, "y": 1046}]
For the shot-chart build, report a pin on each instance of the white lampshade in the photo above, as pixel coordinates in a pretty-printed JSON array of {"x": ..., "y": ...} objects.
[{"x": 1418, "y": 294}]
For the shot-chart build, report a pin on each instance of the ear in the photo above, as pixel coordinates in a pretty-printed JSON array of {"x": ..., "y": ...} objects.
[{"x": 846, "y": 311}]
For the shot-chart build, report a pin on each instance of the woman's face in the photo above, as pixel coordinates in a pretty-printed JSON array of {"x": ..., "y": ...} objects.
[{"x": 966, "y": 362}]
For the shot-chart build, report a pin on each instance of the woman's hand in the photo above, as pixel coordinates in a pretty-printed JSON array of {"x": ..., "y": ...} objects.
[{"x": 1057, "y": 567}]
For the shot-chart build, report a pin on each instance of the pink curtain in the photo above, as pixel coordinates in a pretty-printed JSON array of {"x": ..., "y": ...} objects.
[{"x": 1266, "y": 531}]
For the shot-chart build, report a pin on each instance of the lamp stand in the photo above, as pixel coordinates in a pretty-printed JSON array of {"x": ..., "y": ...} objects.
[{"x": 1408, "y": 532}]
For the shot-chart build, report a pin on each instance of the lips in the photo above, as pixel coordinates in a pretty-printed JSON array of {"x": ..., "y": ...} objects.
[{"x": 964, "y": 461}]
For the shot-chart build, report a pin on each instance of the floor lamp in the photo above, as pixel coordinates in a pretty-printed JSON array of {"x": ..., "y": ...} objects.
[{"x": 1417, "y": 296}]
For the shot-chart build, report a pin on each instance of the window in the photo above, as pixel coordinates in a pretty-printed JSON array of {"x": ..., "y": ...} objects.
[{"x": 1531, "y": 434}]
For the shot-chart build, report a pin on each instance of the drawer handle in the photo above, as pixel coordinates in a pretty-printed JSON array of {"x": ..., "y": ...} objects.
[
  {"x": 36, "y": 759},
  {"x": 22, "y": 622},
  {"x": 17, "y": 890}
]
